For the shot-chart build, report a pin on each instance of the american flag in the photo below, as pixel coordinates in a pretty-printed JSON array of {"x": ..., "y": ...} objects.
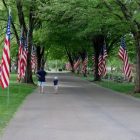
[
  {"x": 77, "y": 64},
  {"x": 22, "y": 57},
  {"x": 102, "y": 62},
  {"x": 33, "y": 59},
  {"x": 84, "y": 65},
  {"x": 68, "y": 66},
  {"x": 93, "y": 59},
  {"x": 124, "y": 57},
  {"x": 5, "y": 64},
  {"x": 0, "y": 69}
]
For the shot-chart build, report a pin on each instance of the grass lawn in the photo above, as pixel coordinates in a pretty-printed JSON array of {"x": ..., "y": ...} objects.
[
  {"x": 126, "y": 88},
  {"x": 8, "y": 106}
]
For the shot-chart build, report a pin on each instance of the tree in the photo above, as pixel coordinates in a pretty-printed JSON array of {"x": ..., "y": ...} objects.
[
  {"x": 127, "y": 11},
  {"x": 70, "y": 22},
  {"x": 76, "y": 23}
]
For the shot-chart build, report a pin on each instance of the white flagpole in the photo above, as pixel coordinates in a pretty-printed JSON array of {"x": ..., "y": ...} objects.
[
  {"x": 8, "y": 96},
  {"x": 8, "y": 90},
  {"x": 27, "y": 54}
]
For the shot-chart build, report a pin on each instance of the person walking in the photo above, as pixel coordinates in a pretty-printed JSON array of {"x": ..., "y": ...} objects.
[
  {"x": 41, "y": 74},
  {"x": 55, "y": 82}
]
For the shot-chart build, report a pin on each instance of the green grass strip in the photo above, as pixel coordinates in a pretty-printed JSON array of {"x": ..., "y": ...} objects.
[{"x": 126, "y": 88}]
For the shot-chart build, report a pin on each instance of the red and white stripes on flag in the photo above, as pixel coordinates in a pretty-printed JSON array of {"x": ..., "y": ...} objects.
[
  {"x": 77, "y": 64},
  {"x": 102, "y": 62},
  {"x": 84, "y": 65},
  {"x": 124, "y": 57},
  {"x": 22, "y": 58},
  {"x": 93, "y": 59},
  {"x": 33, "y": 59},
  {"x": 5, "y": 64}
]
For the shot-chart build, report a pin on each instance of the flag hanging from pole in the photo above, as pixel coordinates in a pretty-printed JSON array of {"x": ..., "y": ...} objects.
[
  {"x": 102, "y": 62},
  {"x": 93, "y": 60},
  {"x": 33, "y": 59},
  {"x": 124, "y": 57},
  {"x": 5, "y": 64},
  {"x": 77, "y": 64},
  {"x": 84, "y": 65},
  {"x": 68, "y": 66},
  {"x": 22, "y": 57},
  {"x": 25, "y": 54}
]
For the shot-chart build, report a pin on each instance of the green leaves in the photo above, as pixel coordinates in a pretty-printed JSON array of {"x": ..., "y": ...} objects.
[{"x": 74, "y": 22}]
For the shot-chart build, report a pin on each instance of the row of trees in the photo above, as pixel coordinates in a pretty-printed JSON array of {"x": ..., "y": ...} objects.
[
  {"x": 76, "y": 25},
  {"x": 23, "y": 16}
]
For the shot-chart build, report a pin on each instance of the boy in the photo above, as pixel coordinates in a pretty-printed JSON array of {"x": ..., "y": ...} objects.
[
  {"x": 41, "y": 74},
  {"x": 55, "y": 82}
]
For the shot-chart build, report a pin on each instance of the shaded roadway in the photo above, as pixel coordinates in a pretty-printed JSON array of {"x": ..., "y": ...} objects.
[{"x": 80, "y": 111}]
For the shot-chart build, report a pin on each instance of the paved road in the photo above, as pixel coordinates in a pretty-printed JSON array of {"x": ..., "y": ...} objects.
[{"x": 81, "y": 111}]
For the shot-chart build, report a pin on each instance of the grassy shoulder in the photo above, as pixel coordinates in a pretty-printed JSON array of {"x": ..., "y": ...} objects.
[
  {"x": 124, "y": 88},
  {"x": 10, "y": 103}
]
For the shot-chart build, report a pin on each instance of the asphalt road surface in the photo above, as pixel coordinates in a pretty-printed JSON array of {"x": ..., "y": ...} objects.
[{"x": 80, "y": 111}]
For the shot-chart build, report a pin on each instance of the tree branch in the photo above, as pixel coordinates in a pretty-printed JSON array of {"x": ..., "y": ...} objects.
[
  {"x": 127, "y": 14},
  {"x": 125, "y": 11},
  {"x": 110, "y": 9},
  {"x": 21, "y": 15},
  {"x": 13, "y": 26}
]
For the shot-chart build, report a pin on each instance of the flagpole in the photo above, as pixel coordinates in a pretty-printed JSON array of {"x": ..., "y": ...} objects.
[
  {"x": 8, "y": 96},
  {"x": 9, "y": 10},
  {"x": 8, "y": 90},
  {"x": 27, "y": 38}
]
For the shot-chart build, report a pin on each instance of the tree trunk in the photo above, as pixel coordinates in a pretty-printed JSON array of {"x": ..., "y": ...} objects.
[
  {"x": 28, "y": 75},
  {"x": 70, "y": 59},
  {"x": 43, "y": 62},
  {"x": 21, "y": 15},
  {"x": 137, "y": 80},
  {"x": 40, "y": 54},
  {"x": 98, "y": 42},
  {"x": 83, "y": 55},
  {"x": 72, "y": 63}
]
